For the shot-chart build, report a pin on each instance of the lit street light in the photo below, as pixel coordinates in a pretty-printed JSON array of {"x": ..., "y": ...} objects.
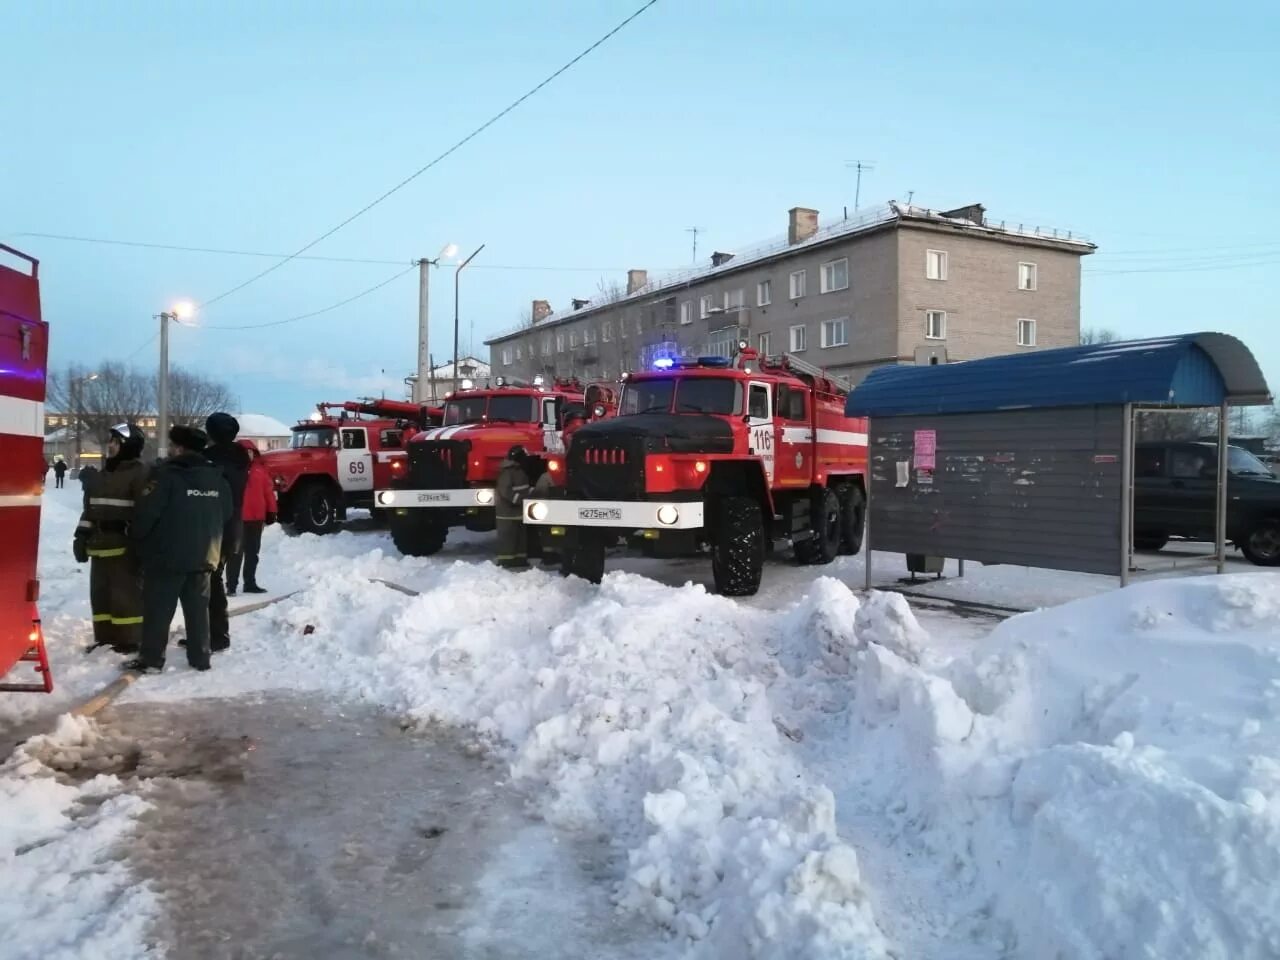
[
  {"x": 181, "y": 312},
  {"x": 77, "y": 408}
]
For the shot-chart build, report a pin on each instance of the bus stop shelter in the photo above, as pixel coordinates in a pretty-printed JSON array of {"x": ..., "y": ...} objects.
[{"x": 1028, "y": 458}]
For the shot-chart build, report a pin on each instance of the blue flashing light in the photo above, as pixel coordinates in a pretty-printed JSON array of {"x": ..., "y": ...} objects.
[
  {"x": 664, "y": 363},
  {"x": 713, "y": 361}
]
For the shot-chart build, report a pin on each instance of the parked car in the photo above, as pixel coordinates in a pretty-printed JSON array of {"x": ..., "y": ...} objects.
[{"x": 1175, "y": 495}]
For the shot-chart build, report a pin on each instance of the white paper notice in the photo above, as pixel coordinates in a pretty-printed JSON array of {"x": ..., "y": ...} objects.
[{"x": 904, "y": 473}]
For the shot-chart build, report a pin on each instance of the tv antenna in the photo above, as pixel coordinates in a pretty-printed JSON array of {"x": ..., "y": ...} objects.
[
  {"x": 695, "y": 231},
  {"x": 860, "y": 166}
]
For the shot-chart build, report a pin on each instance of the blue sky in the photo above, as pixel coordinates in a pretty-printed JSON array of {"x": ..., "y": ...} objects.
[{"x": 1153, "y": 129}]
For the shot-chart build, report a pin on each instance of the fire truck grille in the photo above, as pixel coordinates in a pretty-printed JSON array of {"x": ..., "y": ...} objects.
[
  {"x": 438, "y": 464},
  {"x": 606, "y": 469}
]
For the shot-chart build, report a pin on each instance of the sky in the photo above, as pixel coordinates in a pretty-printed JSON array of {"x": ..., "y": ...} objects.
[{"x": 1152, "y": 129}]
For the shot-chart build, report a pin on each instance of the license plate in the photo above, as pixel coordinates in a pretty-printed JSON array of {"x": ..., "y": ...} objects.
[
  {"x": 433, "y": 498},
  {"x": 599, "y": 513}
]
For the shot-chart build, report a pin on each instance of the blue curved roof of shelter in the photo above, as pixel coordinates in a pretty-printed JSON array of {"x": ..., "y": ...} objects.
[{"x": 1198, "y": 369}]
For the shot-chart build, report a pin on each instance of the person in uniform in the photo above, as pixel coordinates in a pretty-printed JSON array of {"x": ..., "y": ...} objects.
[
  {"x": 233, "y": 460},
  {"x": 178, "y": 528},
  {"x": 510, "y": 490},
  {"x": 102, "y": 540}
]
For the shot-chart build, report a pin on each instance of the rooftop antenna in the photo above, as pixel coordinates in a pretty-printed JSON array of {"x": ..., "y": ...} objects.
[
  {"x": 695, "y": 231},
  {"x": 910, "y": 194},
  {"x": 860, "y": 166}
]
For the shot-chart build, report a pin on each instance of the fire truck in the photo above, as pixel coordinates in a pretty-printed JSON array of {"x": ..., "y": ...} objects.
[
  {"x": 452, "y": 468},
  {"x": 719, "y": 455},
  {"x": 339, "y": 457},
  {"x": 24, "y": 339}
]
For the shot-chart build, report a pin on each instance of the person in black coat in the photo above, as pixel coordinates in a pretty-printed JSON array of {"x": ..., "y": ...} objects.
[{"x": 234, "y": 462}]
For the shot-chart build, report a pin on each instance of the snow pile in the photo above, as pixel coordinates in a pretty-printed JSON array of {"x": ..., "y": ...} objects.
[{"x": 67, "y": 894}]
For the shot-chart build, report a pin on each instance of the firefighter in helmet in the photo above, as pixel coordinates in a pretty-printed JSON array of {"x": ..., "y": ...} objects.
[
  {"x": 511, "y": 489},
  {"x": 102, "y": 540}
]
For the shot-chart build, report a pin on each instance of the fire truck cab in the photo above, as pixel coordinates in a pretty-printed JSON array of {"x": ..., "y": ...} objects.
[
  {"x": 337, "y": 458},
  {"x": 714, "y": 454},
  {"x": 451, "y": 469}
]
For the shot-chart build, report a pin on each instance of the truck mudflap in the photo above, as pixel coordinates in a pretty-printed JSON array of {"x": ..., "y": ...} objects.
[
  {"x": 623, "y": 514},
  {"x": 427, "y": 499}
]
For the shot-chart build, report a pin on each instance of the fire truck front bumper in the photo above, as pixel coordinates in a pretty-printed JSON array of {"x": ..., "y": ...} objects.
[
  {"x": 427, "y": 499},
  {"x": 623, "y": 514}
]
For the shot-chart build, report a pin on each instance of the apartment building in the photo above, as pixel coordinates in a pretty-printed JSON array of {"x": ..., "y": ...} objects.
[{"x": 900, "y": 284}]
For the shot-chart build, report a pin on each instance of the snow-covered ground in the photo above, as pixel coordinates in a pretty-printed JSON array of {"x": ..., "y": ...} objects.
[{"x": 812, "y": 773}]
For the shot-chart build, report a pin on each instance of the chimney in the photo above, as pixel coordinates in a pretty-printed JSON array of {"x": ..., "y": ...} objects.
[
  {"x": 541, "y": 310},
  {"x": 719, "y": 258},
  {"x": 636, "y": 279},
  {"x": 579, "y": 303},
  {"x": 974, "y": 213},
  {"x": 802, "y": 223}
]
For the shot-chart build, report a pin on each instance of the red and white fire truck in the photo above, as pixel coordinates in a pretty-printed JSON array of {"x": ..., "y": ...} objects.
[
  {"x": 718, "y": 454},
  {"x": 452, "y": 468},
  {"x": 339, "y": 457},
  {"x": 24, "y": 340}
]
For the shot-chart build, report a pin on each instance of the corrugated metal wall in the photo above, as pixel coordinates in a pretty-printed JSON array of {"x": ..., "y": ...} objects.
[{"x": 1039, "y": 488}]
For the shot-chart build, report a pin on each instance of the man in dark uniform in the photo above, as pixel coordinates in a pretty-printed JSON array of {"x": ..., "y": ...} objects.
[
  {"x": 178, "y": 527},
  {"x": 234, "y": 462},
  {"x": 509, "y": 493},
  {"x": 102, "y": 539}
]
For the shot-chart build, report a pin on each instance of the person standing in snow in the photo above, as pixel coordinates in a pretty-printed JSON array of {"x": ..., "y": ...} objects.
[
  {"x": 233, "y": 460},
  {"x": 178, "y": 527},
  {"x": 259, "y": 510},
  {"x": 59, "y": 473},
  {"x": 102, "y": 540},
  {"x": 509, "y": 493}
]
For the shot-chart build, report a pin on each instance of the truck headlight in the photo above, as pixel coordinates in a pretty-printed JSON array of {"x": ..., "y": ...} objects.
[
  {"x": 484, "y": 498},
  {"x": 386, "y": 498},
  {"x": 668, "y": 514},
  {"x": 537, "y": 510}
]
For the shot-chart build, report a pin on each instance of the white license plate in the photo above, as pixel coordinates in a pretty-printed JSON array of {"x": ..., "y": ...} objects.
[
  {"x": 433, "y": 498},
  {"x": 599, "y": 513}
]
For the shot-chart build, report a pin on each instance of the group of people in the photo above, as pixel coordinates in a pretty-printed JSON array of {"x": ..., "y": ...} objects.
[{"x": 156, "y": 537}]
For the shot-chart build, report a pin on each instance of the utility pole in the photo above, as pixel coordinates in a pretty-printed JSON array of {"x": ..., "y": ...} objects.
[
  {"x": 424, "y": 309},
  {"x": 77, "y": 411},
  {"x": 179, "y": 314},
  {"x": 457, "y": 274},
  {"x": 860, "y": 167},
  {"x": 695, "y": 231}
]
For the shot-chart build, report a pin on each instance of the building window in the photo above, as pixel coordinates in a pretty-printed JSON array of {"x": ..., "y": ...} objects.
[
  {"x": 606, "y": 333},
  {"x": 835, "y": 333},
  {"x": 573, "y": 339},
  {"x": 588, "y": 336},
  {"x": 519, "y": 352},
  {"x": 935, "y": 324},
  {"x": 506, "y": 356},
  {"x": 835, "y": 276},
  {"x": 764, "y": 344},
  {"x": 686, "y": 313},
  {"x": 704, "y": 307},
  {"x": 559, "y": 343},
  {"x": 733, "y": 299},
  {"x": 1026, "y": 276},
  {"x": 546, "y": 345},
  {"x": 1026, "y": 333},
  {"x": 799, "y": 338},
  {"x": 935, "y": 264},
  {"x": 797, "y": 285},
  {"x": 764, "y": 293}
]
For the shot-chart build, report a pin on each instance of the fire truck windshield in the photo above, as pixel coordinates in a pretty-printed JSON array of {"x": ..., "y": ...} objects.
[
  {"x": 513, "y": 407},
  {"x": 313, "y": 437},
  {"x": 717, "y": 395}
]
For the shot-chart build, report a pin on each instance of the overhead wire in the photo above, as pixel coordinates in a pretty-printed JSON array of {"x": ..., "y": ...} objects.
[{"x": 314, "y": 313}]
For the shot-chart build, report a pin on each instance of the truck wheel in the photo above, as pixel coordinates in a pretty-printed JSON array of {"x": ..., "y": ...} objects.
[
  {"x": 854, "y": 521},
  {"x": 417, "y": 535},
  {"x": 1150, "y": 541},
  {"x": 1262, "y": 546},
  {"x": 315, "y": 509},
  {"x": 826, "y": 526},
  {"x": 737, "y": 552},
  {"x": 584, "y": 557}
]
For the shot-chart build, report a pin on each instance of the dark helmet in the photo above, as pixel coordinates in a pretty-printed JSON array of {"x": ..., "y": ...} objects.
[
  {"x": 131, "y": 439},
  {"x": 517, "y": 453},
  {"x": 222, "y": 427},
  {"x": 189, "y": 438}
]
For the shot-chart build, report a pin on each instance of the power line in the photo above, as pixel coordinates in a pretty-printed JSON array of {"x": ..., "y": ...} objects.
[
  {"x": 1261, "y": 260},
  {"x": 314, "y": 313},
  {"x": 423, "y": 169}
]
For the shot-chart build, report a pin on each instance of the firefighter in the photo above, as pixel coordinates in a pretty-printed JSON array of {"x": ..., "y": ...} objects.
[
  {"x": 102, "y": 539},
  {"x": 511, "y": 489},
  {"x": 178, "y": 530},
  {"x": 233, "y": 460}
]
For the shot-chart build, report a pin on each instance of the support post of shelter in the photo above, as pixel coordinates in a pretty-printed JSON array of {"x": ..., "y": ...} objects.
[
  {"x": 866, "y": 528},
  {"x": 1220, "y": 507},
  {"x": 1126, "y": 497}
]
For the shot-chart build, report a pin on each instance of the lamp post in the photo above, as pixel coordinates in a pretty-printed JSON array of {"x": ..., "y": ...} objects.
[
  {"x": 424, "y": 348},
  {"x": 77, "y": 411},
  {"x": 180, "y": 313},
  {"x": 456, "y": 275}
]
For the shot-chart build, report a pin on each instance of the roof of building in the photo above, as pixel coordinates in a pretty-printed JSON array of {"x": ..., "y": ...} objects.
[
  {"x": 444, "y": 371},
  {"x": 1197, "y": 369},
  {"x": 865, "y": 222},
  {"x": 259, "y": 425}
]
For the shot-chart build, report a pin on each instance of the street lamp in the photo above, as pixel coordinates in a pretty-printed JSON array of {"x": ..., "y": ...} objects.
[
  {"x": 456, "y": 275},
  {"x": 180, "y": 312},
  {"x": 448, "y": 251},
  {"x": 77, "y": 408}
]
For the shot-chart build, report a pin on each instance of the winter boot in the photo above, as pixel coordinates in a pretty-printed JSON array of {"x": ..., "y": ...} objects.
[{"x": 254, "y": 588}]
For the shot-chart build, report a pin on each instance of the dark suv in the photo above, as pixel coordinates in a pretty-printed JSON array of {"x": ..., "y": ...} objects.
[{"x": 1175, "y": 492}]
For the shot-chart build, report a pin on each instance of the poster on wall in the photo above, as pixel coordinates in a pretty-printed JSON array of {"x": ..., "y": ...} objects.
[{"x": 926, "y": 450}]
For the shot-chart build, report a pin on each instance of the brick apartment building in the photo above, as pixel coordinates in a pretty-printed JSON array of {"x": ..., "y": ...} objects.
[{"x": 901, "y": 284}]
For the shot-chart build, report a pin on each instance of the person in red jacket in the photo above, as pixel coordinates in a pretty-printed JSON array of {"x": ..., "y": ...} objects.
[{"x": 259, "y": 511}]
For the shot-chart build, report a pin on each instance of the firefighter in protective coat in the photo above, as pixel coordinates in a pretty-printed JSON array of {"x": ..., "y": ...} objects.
[
  {"x": 102, "y": 540},
  {"x": 509, "y": 493}
]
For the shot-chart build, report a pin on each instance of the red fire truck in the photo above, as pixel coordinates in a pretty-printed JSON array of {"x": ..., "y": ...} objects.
[
  {"x": 337, "y": 458},
  {"x": 24, "y": 339},
  {"x": 452, "y": 469},
  {"x": 711, "y": 453}
]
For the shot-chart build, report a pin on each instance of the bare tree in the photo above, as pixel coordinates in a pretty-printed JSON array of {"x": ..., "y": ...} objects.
[
  {"x": 193, "y": 397},
  {"x": 1176, "y": 425},
  {"x": 1098, "y": 335},
  {"x": 609, "y": 291},
  {"x": 116, "y": 394}
]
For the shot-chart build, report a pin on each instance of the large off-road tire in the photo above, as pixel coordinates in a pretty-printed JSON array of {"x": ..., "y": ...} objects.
[
  {"x": 826, "y": 526},
  {"x": 1262, "y": 545},
  {"x": 1150, "y": 541},
  {"x": 854, "y": 520},
  {"x": 737, "y": 551},
  {"x": 315, "y": 508},
  {"x": 416, "y": 534},
  {"x": 584, "y": 555}
]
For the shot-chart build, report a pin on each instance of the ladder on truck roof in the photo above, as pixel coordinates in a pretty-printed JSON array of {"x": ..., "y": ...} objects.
[{"x": 789, "y": 361}]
